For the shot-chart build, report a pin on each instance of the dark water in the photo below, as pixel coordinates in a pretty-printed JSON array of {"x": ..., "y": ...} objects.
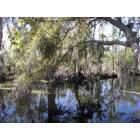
[{"x": 112, "y": 100}]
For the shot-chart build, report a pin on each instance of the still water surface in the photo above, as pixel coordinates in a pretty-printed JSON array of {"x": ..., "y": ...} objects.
[{"x": 94, "y": 101}]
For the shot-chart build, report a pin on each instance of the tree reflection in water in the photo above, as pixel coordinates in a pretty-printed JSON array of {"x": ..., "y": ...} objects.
[
  {"x": 2, "y": 107},
  {"x": 52, "y": 108},
  {"x": 111, "y": 100}
]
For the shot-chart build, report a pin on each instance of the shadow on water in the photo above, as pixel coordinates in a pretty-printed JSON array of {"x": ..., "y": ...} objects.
[{"x": 112, "y": 100}]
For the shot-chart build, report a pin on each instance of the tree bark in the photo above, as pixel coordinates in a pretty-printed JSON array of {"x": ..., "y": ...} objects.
[
  {"x": 136, "y": 50},
  {"x": 1, "y": 34},
  {"x": 77, "y": 61}
]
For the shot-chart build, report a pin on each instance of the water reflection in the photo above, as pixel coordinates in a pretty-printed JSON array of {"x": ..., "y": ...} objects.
[
  {"x": 113, "y": 100},
  {"x": 52, "y": 108}
]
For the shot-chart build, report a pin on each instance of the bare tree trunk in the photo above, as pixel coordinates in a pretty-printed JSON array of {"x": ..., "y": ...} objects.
[
  {"x": 88, "y": 63},
  {"x": 77, "y": 61},
  {"x": 1, "y": 57},
  {"x": 136, "y": 50},
  {"x": 137, "y": 59},
  {"x": 1, "y": 34}
]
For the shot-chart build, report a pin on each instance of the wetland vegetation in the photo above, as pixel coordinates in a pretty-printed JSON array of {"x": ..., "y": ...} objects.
[{"x": 69, "y": 69}]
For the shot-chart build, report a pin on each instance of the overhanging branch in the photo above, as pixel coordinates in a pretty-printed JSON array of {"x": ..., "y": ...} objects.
[
  {"x": 113, "y": 42},
  {"x": 118, "y": 24}
]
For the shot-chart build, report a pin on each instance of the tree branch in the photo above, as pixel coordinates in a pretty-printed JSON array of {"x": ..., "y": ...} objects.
[
  {"x": 1, "y": 34},
  {"x": 118, "y": 24},
  {"x": 113, "y": 42}
]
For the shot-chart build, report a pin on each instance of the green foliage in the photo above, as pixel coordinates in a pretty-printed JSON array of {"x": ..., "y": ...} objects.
[
  {"x": 42, "y": 46},
  {"x": 17, "y": 40},
  {"x": 128, "y": 57}
]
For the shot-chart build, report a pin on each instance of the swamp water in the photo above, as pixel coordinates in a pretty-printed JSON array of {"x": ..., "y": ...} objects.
[{"x": 94, "y": 101}]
